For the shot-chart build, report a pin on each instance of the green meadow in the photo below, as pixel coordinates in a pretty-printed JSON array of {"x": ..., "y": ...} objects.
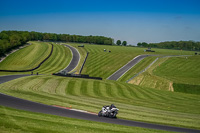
[{"x": 167, "y": 93}]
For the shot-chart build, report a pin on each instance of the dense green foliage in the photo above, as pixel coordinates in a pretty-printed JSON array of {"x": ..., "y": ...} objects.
[
  {"x": 187, "y": 88},
  {"x": 180, "y": 45},
  {"x": 134, "y": 102},
  {"x": 13, "y": 39},
  {"x": 124, "y": 43},
  {"x": 118, "y": 42}
]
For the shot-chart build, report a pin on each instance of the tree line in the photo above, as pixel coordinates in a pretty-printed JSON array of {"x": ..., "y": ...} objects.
[
  {"x": 178, "y": 45},
  {"x": 124, "y": 43},
  {"x": 13, "y": 39}
]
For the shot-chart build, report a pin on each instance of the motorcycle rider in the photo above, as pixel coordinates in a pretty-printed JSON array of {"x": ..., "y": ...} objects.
[{"x": 106, "y": 109}]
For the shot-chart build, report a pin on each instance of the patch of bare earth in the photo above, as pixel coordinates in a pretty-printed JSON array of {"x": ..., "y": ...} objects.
[
  {"x": 137, "y": 80},
  {"x": 171, "y": 88}
]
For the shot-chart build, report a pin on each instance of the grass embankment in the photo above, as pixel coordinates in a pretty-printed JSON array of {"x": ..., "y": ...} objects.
[
  {"x": 26, "y": 58},
  {"x": 59, "y": 59},
  {"x": 137, "y": 68},
  {"x": 18, "y": 121},
  {"x": 103, "y": 64},
  {"x": 180, "y": 69},
  {"x": 134, "y": 102},
  {"x": 148, "y": 79},
  {"x": 183, "y": 72}
]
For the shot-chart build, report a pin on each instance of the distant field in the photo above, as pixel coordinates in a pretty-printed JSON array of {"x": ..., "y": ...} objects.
[
  {"x": 134, "y": 102},
  {"x": 18, "y": 121},
  {"x": 59, "y": 59}
]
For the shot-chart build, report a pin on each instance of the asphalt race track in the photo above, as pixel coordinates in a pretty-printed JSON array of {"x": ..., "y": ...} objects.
[
  {"x": 22, "y": 104},
  {"x": 7, "y": 78},
  {"x": 125, "y": 68},
  {"x": 75, "y": 59}
]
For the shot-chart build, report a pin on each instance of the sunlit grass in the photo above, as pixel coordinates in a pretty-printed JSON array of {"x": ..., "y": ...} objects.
[{"x": 134, "y": 102}]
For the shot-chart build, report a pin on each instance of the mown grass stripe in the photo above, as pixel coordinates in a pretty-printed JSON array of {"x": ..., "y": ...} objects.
[
  {"x": 96, "y": 88},
  {"x": 70, "y": 87},
  {"x": 83, "y": 87}
]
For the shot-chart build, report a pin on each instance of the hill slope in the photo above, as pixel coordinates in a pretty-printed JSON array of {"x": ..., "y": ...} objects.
[{"x": 135, "y": 103}]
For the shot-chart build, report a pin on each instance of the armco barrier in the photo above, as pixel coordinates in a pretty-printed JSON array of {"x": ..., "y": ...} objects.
[
  {"x": 32, "y": 68},
  {"x": 77, "y": 76},
  {"x": 83, "y": 63}
]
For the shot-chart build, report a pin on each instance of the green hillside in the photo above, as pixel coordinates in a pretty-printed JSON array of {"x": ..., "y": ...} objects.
[
  {"x": 33, "y": 55},
  {"x": 134, "y": 102},
  {"x": 145, "y": 99},
  {"x": 26, "y": 58},
  {"x": 180, "y": 69},
  {"x": 180, "y": 74},
  {"x": 102, "y": 64}
]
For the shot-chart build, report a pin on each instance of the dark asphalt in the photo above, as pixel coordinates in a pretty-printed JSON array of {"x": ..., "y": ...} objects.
[
  {"x": 7, "y": 78},
  {"x": 75, "y": 59},
  {"x": 125, "y": 68},
  {"x": 22, "y": 104}
]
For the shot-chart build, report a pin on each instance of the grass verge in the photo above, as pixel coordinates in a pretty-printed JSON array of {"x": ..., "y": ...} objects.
[{"x": 18, "y": 121}]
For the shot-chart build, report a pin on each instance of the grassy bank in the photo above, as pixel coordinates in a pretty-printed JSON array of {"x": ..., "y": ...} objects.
[
  {"x": 26, "y": 58},
  {"x": 18, "y": 121},
  {"x": 59, "y": 59},
  {"x": 135, "y": 103}
]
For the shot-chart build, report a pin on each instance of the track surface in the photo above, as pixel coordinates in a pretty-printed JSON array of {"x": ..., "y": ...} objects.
[
  {"x": 125, "y": 68},
  {"x": 22, "y": 104},
  {"x": 75, "y": 59}
]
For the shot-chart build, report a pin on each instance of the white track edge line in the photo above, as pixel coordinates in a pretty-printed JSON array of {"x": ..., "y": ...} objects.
[{"x": 123, "y": 66}]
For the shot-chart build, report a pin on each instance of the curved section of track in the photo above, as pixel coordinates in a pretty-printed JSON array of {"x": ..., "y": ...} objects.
[
  {"x": 22, "y": 104},
  {"x": 75, "y": 59},
  {"x": 125, "y": 68}
]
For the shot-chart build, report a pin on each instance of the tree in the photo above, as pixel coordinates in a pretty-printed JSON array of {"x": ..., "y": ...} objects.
[
  {"x": 118, "y": 42},
  {"x": 139, "y": 44},
  {"x": 144, "y": 44},
  {"x": 124, "y": 43}
]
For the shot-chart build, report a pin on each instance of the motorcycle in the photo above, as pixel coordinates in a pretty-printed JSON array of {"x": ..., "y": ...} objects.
[{"x": 107, "y": 111}]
